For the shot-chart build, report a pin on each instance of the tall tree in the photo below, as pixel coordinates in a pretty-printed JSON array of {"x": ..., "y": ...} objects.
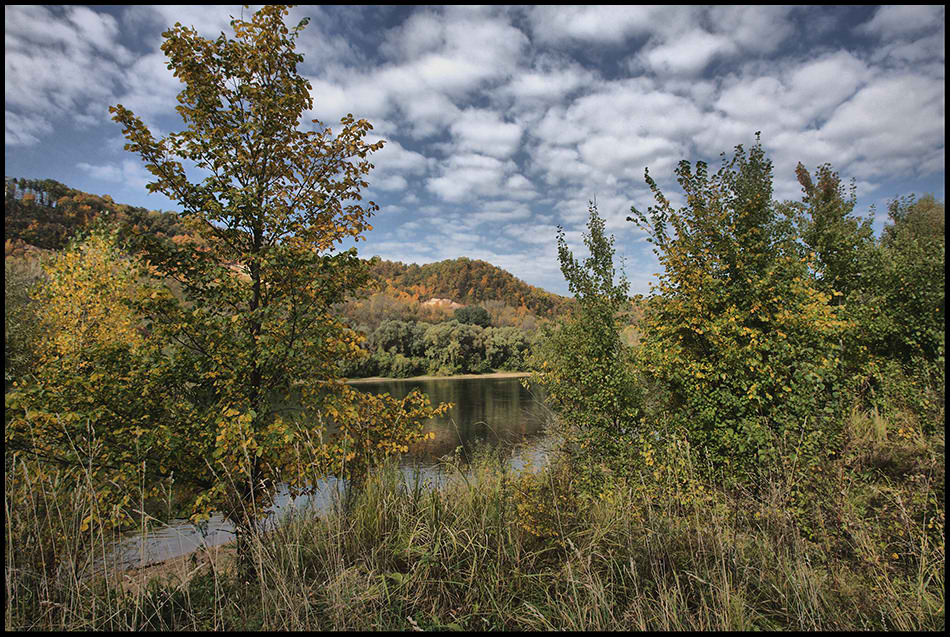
[
  {"x": 838, "y": 239},
  {"x": 249, "y": 347},
  {"x": 911, "y": 285},
  {"x": 583, "y": 362},
  {"x": 277, "y": 200}
]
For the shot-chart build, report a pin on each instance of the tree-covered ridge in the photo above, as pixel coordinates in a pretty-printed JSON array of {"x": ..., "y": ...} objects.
[
  {"x": 43, "y": 215},
  {"x": 466, "y": 281},
  {"x": 46, "y": 214}
]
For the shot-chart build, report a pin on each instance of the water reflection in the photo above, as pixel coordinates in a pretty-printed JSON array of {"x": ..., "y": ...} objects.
[{"x": 498, "y": 412}]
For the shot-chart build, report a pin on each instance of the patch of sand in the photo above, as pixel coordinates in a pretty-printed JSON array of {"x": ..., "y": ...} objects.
[
  {"x": 376, "y": 379},
  {"x": 178, "y": 570}
]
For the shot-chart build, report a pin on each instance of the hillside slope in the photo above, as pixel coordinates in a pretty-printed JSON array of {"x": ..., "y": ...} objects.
[
  {"x": 465, "y": 281},
  {"x": 45, "y": 214}
]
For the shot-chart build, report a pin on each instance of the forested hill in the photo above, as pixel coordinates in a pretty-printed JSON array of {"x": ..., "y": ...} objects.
[
  {"x": 45, "y": 214},
  {"x": 465, "y": 281}
]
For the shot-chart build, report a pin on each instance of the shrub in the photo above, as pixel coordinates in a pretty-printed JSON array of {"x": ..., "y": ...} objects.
[
  {"x": 912, "y": 283},
  {"x": 473, "y": 315},
  {"x": 21, "y": 321},
  {"x": 506, "y": 347},
  {"x": 455, "y": 348},
  {"x": 403, "y": 337},
  {"x": 737, "y": 329},
  {"x": 395, "y": 365}
]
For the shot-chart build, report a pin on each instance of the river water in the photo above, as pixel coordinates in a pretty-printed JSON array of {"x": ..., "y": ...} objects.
[{"x": 490, "y": 410}]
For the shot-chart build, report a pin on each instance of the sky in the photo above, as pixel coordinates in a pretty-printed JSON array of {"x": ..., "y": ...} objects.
[{"x": 502, "y": 122}]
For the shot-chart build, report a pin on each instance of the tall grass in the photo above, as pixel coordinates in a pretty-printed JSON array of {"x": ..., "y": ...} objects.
[{"x": 497, "y": 549}]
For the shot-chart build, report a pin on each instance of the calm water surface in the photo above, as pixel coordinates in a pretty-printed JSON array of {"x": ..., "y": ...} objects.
[{"x": 495, "y": 411}]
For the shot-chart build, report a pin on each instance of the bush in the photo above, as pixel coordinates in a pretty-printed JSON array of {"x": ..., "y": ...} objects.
[
  {"x": 737, "y": 330},
  {"x": 395, "y": 365},
  {"x": 473, "y": 315},
  {"x": 21, "y": 317},
  {"x": 455, "y": 348},
  {"x": 912, "y": 283},
  {"x": 506, "y": 348},
  {"x": 403, "y": 337}
]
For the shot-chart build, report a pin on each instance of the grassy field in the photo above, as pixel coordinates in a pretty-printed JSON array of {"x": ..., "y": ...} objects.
[{"x": 502, "y": 550}]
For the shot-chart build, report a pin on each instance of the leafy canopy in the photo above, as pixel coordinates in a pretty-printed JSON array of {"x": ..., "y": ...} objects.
[
  {"x": 582, "y": 362},
  {"x": 910, "y": 286},
  {"x": 473, "y": 315},
  {"x": 737, "y": 327},
  {"x": 238, "y": 344},
  {"x": 839, "y": 240}
]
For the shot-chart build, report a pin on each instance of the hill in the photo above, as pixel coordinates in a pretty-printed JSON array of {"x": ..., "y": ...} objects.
[
  {"x": 45, "y": 214},
  {"x": 465, "y": 281}
]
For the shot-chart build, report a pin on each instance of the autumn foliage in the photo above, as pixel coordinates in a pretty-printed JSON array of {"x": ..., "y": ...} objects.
[
  {"x": 214, "y": 362},
  {"x": 738, "y": 329}
]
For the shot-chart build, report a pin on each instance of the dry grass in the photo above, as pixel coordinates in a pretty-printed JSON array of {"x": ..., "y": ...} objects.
[{"x": 500, "y": 550}]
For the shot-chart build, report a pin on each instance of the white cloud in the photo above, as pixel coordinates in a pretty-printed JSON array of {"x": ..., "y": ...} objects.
[
  {"x": 792, "y": 96},
  {"x": 609, "y": 154},
  {"x": 59, "y": 64},
  {"x": 438, "y": 61},
  {"x": 519, "y": 187},
  {"x": 209, "y": 20},
  {"x": 688, "y": 54},
  {"x": 595, "y": 23},
  {"x": 818, "y": 86},
  {"x": 421, "y": 33},
  {"x": 548, "y": 84},
  {"x": 429, "y": 114},
  {"x": 903, "y": 19},
  {"x": 760, "y": 29},
  {"x": 891, "y": 124},
  {"x": 393, "y": 158},
  {"x": 928, "y": 51},
  {"x": 470, "y": 174},
  {"x": 150, "y": 88},
  {"x": 24, "y": 130},
  {"x": 392, "y": 182},
  {"x": 129, "y": 172},
  {"x": 484, "y": 131},
  {"x": 494, "y": 212}
]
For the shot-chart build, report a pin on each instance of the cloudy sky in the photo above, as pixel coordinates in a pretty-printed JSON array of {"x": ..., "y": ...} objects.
[{"x": 502, "y": 122}]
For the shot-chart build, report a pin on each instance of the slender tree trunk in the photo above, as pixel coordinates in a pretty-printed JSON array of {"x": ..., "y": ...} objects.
[{"x": 247, "y": 516}]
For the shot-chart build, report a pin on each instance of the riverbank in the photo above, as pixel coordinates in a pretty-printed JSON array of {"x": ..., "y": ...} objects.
[
  {"x": 177, "y": 572},
  {"x": 508, "y": 551},
  {"x": 503, "y": 549},
  {"x": 378, "y": 379}
]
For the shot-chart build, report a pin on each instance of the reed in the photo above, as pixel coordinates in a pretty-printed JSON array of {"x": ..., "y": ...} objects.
[{"x": 497, "y": 549}]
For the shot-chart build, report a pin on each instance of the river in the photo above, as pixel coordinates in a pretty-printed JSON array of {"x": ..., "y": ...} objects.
[{"x": 494, "y": 410}]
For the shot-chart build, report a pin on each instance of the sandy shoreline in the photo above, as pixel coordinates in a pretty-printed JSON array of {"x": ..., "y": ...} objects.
[
  {"x": 179, "y": 569},
  {"x": 377, "y": 379}
]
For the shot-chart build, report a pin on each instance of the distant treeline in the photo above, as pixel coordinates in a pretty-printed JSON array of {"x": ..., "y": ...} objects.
[
  {"x": 414, "y": 325},
  {"x": 410, "y": 314},
  {"x": 45, "y": 214},
  {"x": 466, "y": 344}
]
